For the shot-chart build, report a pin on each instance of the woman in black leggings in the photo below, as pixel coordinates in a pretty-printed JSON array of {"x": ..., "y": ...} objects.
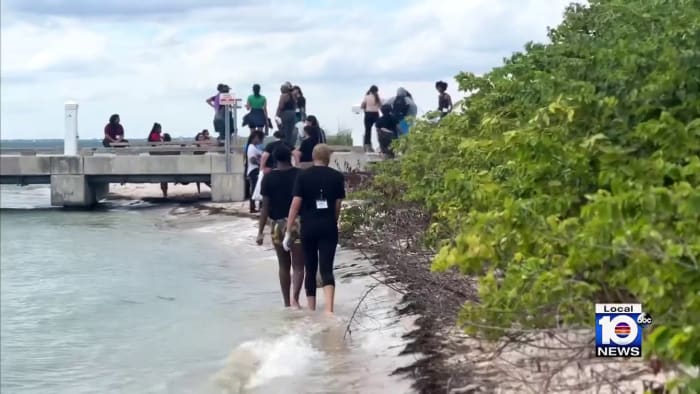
[
  {"x": 370, "y": 104},
  {"x": 318, "y": 193}
]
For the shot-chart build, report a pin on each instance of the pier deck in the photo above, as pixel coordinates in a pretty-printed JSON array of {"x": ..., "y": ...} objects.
[{"x": 83, "y": 180}]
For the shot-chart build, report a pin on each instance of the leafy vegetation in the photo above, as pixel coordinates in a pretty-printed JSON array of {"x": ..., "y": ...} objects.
[{"x": 572, "y": 176}]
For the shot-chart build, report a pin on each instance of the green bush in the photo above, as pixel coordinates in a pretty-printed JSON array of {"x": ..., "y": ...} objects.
[
  {"x": 573, "y": 170},
  {"x": 342, "y": 137}
]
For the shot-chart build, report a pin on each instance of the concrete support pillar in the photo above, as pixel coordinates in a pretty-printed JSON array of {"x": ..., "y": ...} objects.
[
  {"x": 227, "y": 187},
  {"x": 75, "y": 191},
  {"x": 70, "y": 141}
]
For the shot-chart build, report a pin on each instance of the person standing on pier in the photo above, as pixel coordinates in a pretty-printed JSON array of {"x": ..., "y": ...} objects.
[
  {"x": 276, "y": 190},
  {"x": 257, "y": 110},
  {"x": 370, "y": 104},
  {"x": 114, "y": 132},
  {"x": 318, "y": 195},
  {"x": 219, "y": 121},
  {"x": 286, "y": 114}
]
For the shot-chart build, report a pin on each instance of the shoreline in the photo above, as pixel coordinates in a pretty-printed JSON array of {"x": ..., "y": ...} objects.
[
  {"x": 446, "y": 359},
  {"x": 557, "y": 360}
]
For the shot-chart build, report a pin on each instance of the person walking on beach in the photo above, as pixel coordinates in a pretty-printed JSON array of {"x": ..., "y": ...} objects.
[
  {"x": 114, "y": 132},
  {"x": 219, "y": 112},
  {"x": 254, "y": 150},
  {"x": 286, "y": 114},
  {"x": 370, "y": 105},
  {"x": 318, "y": 194},
  {"x": 257, "y": 110},
  {"x": 444, "y": 99},
  {"x": 276, "y": 189}
]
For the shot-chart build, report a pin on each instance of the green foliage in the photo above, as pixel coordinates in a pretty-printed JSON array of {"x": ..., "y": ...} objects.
[
  {"x": 342, "y": 137},
  {"x": 573, "y": 170}
]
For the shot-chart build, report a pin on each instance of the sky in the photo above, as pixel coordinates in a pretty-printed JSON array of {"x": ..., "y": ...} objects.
[{"x": 158, "y": 60}]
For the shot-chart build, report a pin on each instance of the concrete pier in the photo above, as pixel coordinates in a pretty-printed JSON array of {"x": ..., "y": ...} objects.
[
  {"x": 76, "y": 191},
  {"x": 81, "y": 181}
]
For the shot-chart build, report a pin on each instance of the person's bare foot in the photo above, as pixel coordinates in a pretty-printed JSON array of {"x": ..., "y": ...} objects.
[{"x": 295, "y": 305}]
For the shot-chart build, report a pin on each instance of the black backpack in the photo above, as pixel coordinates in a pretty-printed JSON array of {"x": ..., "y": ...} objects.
[{"x": 400, "y": 107}]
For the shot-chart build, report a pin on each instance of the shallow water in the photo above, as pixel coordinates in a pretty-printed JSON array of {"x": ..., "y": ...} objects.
[{"x": 131, "y": 299}]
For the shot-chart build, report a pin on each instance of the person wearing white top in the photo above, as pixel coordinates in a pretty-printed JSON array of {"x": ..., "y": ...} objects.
[
  {"x": 370, "y": 104},
  {"x": 254, "y": 151}
]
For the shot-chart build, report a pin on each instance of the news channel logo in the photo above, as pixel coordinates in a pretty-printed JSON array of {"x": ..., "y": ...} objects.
[{"x": 618, "y": 330}]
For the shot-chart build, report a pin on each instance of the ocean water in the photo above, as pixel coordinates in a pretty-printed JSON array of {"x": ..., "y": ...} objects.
[{"x": 131, "y": 298}]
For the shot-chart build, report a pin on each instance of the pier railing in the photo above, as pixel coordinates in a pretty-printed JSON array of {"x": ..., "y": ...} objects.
[{"x": 158, "y": 148}]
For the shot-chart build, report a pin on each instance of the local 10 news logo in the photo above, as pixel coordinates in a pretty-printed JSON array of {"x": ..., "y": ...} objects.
[{"x": 618, "y": 330}]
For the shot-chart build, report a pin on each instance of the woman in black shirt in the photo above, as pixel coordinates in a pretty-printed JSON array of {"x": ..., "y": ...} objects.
[
  {"x": 318, "y": 193},
  {"x": 312, "y": 137},
  {"x": 276, "y": 190}
]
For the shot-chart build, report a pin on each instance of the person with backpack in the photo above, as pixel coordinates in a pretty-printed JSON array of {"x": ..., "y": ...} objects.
[{"x": 402, "y": 106}]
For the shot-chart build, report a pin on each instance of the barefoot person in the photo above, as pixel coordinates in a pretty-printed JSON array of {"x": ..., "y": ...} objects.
[
  {"x": 318, "y": 193},
  {"x": 276, "y": 189}
]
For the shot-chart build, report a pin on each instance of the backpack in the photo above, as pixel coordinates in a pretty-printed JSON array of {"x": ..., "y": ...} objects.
[{"x": 400, "y": 107}]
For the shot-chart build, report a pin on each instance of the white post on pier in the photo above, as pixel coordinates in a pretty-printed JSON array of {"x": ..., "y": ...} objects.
[{"x": 70, "y": 141}]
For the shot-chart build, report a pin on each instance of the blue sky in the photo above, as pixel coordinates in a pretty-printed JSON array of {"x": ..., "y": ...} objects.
[{"x": 157, "y": 60}]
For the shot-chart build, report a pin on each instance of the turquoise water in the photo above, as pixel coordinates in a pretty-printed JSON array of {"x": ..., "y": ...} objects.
[{"x": 134, "y": 299}]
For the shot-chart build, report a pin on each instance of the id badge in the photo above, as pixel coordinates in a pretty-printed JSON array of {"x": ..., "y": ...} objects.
[{"x": 321, "y": 204}]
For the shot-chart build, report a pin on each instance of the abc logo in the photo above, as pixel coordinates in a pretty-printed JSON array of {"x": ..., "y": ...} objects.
[
  {"x": 620, "y": 330},
  {"x": 644, "y": 319}
]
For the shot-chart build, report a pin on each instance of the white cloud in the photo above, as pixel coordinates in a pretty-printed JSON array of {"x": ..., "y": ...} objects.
[{"x": 160, "y": 66}]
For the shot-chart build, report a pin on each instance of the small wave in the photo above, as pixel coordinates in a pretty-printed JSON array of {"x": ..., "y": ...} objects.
[{"x": 256, "y": 363}]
